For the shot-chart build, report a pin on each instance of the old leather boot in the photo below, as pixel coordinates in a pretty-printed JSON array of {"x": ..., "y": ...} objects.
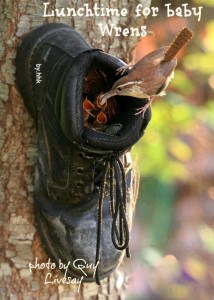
[{"x": 85, "y": 187}]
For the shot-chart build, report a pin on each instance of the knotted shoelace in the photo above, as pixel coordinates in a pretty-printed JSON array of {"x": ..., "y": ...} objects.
[{"x": 118, "y": 198}]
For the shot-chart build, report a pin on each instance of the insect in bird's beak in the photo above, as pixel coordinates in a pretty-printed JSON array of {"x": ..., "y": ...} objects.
[{"x": 106, "y": 96}]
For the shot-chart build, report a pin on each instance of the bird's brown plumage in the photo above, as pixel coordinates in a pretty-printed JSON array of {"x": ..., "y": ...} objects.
[{"x": 151, "y": 72}]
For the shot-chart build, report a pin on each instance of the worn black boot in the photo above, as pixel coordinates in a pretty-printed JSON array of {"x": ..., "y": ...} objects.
[{"x": 85, "y": 187}]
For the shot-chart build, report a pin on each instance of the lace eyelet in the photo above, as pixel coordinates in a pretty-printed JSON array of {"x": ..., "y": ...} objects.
[
  {"x": 80, "y": 170},
  {"x": 81, "y": 155},
  {"x": 79, "y": 184}
]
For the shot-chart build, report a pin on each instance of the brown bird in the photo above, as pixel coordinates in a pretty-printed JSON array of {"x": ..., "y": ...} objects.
[{"x": 150, "y": 76}]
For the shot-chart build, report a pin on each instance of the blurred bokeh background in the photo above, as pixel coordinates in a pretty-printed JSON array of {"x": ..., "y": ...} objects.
[{"x": 173, "y": 235}]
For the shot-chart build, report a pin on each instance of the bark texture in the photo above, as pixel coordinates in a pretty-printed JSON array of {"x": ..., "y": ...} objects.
[{"x": 20, "y": 243}]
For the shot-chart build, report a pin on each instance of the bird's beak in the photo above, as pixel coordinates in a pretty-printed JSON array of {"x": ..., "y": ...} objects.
[{"x": 106, "y": 96}]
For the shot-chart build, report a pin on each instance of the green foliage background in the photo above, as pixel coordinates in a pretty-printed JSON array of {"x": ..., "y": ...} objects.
[{"x": 164, "y": 153}]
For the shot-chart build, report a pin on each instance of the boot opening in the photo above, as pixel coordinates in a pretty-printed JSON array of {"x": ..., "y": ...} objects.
[
  {"x": 96, "y": 83},
  {"x": 119, "y": 111}
]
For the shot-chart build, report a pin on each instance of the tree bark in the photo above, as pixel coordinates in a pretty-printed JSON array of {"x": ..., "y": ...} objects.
[{"x": 20, "y": 242}]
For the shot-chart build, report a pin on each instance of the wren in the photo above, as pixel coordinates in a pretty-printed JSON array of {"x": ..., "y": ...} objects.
[{"x": 150, "y": 76}]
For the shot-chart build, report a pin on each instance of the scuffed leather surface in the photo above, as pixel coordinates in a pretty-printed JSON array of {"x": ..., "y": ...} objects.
[{"x": 66, "y": 200}]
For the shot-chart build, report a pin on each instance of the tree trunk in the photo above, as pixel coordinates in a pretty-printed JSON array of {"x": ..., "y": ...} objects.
[{"x": 20, "y": 241}]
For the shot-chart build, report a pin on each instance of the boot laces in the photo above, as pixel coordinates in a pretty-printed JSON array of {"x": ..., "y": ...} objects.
[{"x": 118, "y": 199}]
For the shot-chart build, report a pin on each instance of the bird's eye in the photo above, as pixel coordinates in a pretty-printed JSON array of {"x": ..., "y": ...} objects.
[{"x": 119, "y": 89}]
